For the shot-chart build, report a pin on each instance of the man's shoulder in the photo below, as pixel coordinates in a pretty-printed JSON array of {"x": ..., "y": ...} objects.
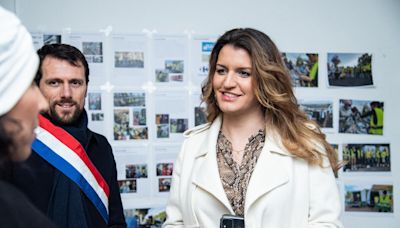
[
  {"x": 99, "y": 137},
  {"x": 100, "y": 145}
]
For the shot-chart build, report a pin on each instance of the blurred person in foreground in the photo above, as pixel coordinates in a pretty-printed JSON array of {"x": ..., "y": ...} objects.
[
  {"x": 72, "y": 176},
  {"x": 20, "y": 104},
  {"x": 259, "y": 158}
]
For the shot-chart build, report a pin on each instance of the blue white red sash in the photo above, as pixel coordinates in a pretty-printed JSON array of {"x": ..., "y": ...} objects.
[{"x": 67, "y": 155}]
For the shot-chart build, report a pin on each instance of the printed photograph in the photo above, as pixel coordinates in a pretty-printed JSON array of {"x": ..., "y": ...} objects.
[
  {"x": 176, "y": 77},
  {"x": 348, "y": 69},
  {"x": 336, "y": 148},
  {"x": 366, "y": 157},
  {"x": 165, "y": 169},
  {"x": 162, "y": 75},
  {"x": 127, "y": 186},
  {"x": 121, "y": 116},
  {"x": 164, "y": 184},
  {"x": 93, "y": 51},
  {"x": 97, "y": 116},
  {"x": 200, "y": 116},
  {"x": 123, "y": 132},
  {"x": 138, "y": 133},
  {"x": 361, "y": 117},
  {"x": 303, "y": 68},
  {"x": 174, "y": 66},
  {"x": 136, "y": 171},
  {"x": 162, "y": 119},
  {"x": 129, "y": 99},
  {"x": 319, "y": 111},
  {"x": 51, "y": 39},
  {"x": 94, "y": 101},
  {"x": 145, "y": 218},
  {"x": 368, "y": 198},
  {"x": 139, "y": 116},
  {"x": 126, "y": 59},
  {"x": 96, "y": 58},
  {"x": 178, "y": 125},
  {"x": 121, "y": 124},
  {"x": 163, "y": 131}
]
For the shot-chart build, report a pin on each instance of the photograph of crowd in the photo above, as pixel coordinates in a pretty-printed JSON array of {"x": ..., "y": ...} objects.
[
  {"x": 347, "y": 69},
  {"x": 128, "y": 59},
  {"x": 200, "y": 116},
  {"x": 94, "y": 101},
  {"x": 93, "y": 51},
  {"x": 127, "y": 186},
  {"x": 136, "y": 171},
  {"x": 129, "y": 99},
  {"x": 164, "y": 184},
  {"x": 368, "y": 198},
  {"x": 366, "y": 157},
  {"x": 164, "y": 169},
  {"x": 361, "y": 117},
  {"x": 174, "y": 66},
  {"x": 178, "y": 125},
  {"x": 303, "y": 68},
  {"x": 124, "y": 130},
  {"x": 145, "y": 218},
  {"x": 319, "y": 111}
]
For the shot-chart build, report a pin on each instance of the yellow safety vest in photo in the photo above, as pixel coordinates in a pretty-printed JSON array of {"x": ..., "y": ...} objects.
[{"x": 376, "y": 129}]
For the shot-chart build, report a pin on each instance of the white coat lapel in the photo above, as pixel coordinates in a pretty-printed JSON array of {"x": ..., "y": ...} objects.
[
  {"x": 206, "y": 174},
  {"x": 271, "y": 171}
]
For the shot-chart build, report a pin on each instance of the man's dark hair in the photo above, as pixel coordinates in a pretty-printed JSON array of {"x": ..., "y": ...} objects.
[{"x": 62, "y": 52}]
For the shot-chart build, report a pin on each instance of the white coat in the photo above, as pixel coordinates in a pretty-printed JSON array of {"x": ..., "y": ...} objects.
[{"x": 283, "y": 191}]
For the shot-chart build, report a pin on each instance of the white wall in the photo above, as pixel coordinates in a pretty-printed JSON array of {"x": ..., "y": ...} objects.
[
  {"x": 8, "y": 4},
  {"x": 296, "y": 26}
]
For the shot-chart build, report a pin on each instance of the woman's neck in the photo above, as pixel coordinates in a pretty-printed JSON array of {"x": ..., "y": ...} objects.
[
  {"x": 238, "y": 129},
  {"x": 237, "y": 124}
]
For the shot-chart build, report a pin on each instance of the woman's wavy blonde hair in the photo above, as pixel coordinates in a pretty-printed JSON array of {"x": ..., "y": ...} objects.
[{"x": 273, "y": 89}]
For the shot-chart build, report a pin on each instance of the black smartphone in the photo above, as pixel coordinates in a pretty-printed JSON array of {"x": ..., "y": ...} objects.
[{"x": 231, "y": 221}]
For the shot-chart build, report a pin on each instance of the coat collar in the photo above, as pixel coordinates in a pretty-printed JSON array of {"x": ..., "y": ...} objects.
[
  {"x": 270, "y": 172},
  {"x": 207, "y": 175}
]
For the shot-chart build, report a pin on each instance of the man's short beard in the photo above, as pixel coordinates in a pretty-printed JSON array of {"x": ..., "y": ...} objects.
[{"x": 61, "y": 121}]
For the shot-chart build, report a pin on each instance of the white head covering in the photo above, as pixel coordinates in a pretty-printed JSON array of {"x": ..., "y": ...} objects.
[{"x": 18, "y": 60}]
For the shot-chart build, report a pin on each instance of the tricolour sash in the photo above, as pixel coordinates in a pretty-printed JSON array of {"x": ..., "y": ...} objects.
[{"x": 66, "y": 154}]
